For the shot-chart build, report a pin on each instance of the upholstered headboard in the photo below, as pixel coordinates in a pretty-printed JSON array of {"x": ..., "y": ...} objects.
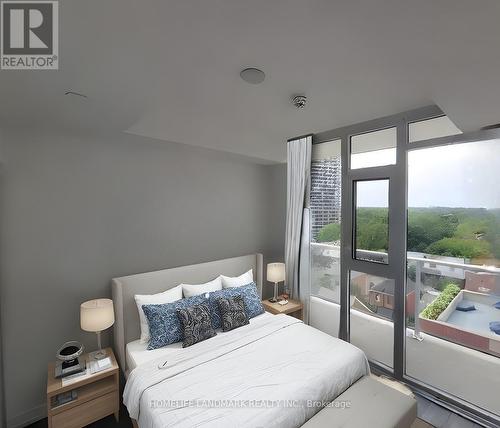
[{"x": 126, "y": 327}]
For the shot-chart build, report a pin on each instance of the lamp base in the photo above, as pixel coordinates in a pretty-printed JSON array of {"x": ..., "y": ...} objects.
[
  {"x": 98, "y": 355},
  {"x": 274, "y": 299}
]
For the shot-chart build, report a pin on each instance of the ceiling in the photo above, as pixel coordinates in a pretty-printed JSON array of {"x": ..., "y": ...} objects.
[{"x": 170, "y": 69}]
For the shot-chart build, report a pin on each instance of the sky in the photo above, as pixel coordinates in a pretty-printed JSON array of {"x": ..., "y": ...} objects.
[{"x": 460, "y": 175}]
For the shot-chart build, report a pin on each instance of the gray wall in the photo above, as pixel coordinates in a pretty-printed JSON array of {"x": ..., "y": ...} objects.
[
  {"x": 2, "y": 392},
  {"x": 79, "y": 210}
]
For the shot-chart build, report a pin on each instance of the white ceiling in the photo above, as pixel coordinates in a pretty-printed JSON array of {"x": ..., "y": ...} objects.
[{"x": 170, "y": 69}]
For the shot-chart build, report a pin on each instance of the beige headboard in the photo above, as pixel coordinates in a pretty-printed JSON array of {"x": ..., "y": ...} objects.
[{"x": 126, "y": 327}]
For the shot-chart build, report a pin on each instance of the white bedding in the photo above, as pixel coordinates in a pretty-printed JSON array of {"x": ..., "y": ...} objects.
[
  {"x": 137, "y": 352},
  {"x": 271, "y": 373}
]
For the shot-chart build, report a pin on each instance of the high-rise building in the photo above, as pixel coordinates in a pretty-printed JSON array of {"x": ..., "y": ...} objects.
[{"x": 325, "y": 193}]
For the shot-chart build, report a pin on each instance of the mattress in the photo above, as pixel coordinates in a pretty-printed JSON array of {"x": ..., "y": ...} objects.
[
  {"x": 274, "y": 372},
  {"x": 137, "y": 352}
]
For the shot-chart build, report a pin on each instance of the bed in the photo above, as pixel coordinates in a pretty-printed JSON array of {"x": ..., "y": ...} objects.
[{"x": 275, "y": 371}]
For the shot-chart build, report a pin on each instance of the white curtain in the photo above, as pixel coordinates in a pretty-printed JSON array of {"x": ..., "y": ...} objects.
[
  {"x": 305, "y": 263},
  {"x": 297, "y": 198}
]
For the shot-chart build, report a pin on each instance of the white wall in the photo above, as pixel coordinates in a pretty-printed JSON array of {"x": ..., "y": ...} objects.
[
  {"x": 468, "y": 374},
  {"x": 79, "y": 210}
]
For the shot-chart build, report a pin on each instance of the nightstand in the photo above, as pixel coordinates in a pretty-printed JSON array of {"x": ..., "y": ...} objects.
[
  {"x": 293, "y": 308},
  {"x": 97, "y": 396}
]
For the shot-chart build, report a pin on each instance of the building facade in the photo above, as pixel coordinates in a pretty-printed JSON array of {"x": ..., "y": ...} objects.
[{"x": 325, "y": 193}]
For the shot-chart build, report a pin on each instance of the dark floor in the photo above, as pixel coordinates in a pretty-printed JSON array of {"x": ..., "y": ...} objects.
[{"x": 439, "y": 417}]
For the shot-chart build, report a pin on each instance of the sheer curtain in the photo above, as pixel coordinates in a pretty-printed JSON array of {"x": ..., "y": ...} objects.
[{"x": 297, "y": 218}]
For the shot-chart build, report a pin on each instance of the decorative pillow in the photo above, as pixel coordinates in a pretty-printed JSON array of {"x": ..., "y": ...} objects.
[
  {"x": 196, "y": 324},
  {"x": 465, "y": 307},
  {"x": 164, "y": 325},
  {"x": 191, "y": 290},
  {"x": 250, "y": 295},
  {"x": 237, "y": 281},
  {"x": 232, "y": 312},
  {"x": 495, "y": 326},
  {"x": 497, "y": 305},
  {"x": 168, "y": 296}
]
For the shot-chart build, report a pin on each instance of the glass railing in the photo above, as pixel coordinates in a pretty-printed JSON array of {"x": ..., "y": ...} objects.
[{"x": 434, "y": 284}]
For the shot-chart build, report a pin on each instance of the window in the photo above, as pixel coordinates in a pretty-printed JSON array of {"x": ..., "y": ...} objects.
[
  {"x": 454, "y": 241},
  {"x": 375, "y": 148},
  {"x": 325, "y": 225},
  {"x": 446, "y": 197},
  {"x": 372, "y": 220},
  {"x": 453, "y": 259}
]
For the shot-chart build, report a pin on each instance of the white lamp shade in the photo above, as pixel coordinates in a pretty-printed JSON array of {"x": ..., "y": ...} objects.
[
  {"x": 97, "y": 315},
  {"x": 276, "y": 272}
]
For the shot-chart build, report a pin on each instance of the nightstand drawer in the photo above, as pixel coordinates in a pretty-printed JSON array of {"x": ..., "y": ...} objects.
[{"x": 87, "y": 412}]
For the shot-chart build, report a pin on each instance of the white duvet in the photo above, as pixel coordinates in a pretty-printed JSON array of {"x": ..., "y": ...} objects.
[{"x": 275, "y": 372}]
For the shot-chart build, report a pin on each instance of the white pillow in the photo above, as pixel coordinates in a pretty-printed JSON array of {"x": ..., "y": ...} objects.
[
  {"x": 190, "y": 290},
  {"x": 168, "y": 296},
  {"x": 237, "y": 281}
]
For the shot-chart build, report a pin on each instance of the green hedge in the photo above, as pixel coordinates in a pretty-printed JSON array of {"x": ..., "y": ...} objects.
[{"x": 432, "y": 311}]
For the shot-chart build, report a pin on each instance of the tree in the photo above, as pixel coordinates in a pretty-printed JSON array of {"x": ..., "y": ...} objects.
[
  {"x": 456, "y": 247},
  {"x": 329, "y": 233},
  {"x": 412, "y": 272},
  {"x": 455, "y": 232},
  {"x": 372, "y": 236},
  {"x": 417, "y": 238},
  {"x": 426, "y": 226}
]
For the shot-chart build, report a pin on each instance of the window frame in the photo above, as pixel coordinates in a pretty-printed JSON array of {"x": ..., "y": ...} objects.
[{"x": 398, "y": 195}]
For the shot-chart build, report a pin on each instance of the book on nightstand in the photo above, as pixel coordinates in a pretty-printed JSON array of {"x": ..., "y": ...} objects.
[{"x": 63, "y": 398}]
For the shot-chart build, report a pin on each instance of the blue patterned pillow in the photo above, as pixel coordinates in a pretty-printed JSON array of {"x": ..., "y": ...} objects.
[
  {"x": 164, "y": 325},
  {"x": 250, "y": 295}
]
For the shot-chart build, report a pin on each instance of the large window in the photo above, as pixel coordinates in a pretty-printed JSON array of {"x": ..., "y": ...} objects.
[
  {"x": 453, "y": 258},
  {"x": 419, "y": 283}
]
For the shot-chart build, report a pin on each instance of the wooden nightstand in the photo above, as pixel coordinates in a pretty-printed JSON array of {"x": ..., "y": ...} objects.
[
  {"x": 97, "y": 396},
  {"x": 293, "y": 308}
]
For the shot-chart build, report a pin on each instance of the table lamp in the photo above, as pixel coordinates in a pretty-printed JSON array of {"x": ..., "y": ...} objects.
[
  {"x": 97, "y": 315},
  {"x": 275, "y": 273}
]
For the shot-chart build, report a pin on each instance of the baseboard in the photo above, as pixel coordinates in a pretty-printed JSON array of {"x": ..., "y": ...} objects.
[{"x": 28, "y": 417}]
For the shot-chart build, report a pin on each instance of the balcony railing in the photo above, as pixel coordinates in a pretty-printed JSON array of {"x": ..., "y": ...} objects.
[{"x": 427, "y": 264}]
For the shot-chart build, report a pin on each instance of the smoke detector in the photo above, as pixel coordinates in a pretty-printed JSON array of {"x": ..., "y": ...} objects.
[{"x": 299, "y": 101}]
